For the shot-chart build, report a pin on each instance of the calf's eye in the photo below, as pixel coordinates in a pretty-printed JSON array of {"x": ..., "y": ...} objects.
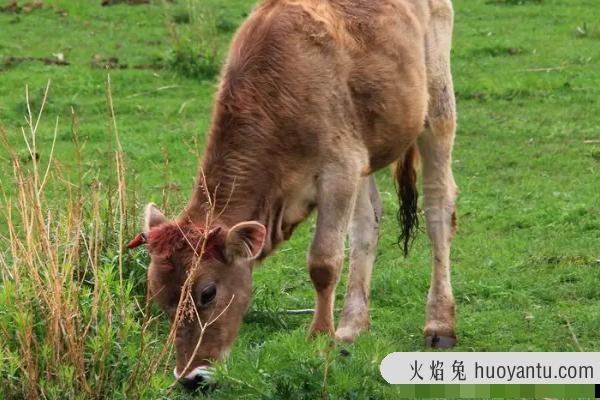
[{"x": 208, "y": 294}]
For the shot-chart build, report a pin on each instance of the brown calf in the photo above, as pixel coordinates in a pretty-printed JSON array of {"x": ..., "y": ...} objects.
[{"x": 316, "y": 95}]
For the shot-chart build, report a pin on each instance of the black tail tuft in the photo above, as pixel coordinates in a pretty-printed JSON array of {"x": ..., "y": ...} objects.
[{"x": 406, "y": 186}]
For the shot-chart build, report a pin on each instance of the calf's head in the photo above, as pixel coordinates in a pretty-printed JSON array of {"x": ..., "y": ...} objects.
[{"x": 209, "y": 269}]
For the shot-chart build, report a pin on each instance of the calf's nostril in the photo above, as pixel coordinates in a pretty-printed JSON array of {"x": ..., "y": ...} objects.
[{"x": 198, "y": 379}]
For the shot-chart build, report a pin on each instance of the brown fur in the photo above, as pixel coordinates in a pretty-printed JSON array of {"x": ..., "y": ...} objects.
[
  {"x": 314, "y": 95},
  {"x": 285, "y": 100}
]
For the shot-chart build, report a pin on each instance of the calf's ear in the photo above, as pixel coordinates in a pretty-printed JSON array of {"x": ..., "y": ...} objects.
[
  {"x": 152, "y": 217},
  {"x": 245, "y": 241}
]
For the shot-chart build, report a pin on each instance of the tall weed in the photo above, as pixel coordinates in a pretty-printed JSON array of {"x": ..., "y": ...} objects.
[{"x": 72, "y": 322}]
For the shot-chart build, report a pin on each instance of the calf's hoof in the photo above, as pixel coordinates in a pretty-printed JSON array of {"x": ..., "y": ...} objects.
[
  {"x": 440, "y": 342},
  {"x": 345, "y": 335},
  {"x": 349, "y": 333},
  {"x": 353, "y": 322},
  {"x": 320, "y": 329}
]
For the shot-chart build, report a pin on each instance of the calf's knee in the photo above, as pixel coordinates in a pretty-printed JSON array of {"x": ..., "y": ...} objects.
[
  {"x": 324, "y": 271},
  {"x": 322, "y": 277}
]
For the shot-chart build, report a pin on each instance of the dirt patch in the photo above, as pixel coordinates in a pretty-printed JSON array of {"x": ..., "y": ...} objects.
[
  {"x": 128, "y": 2},
  {"x": 27, "y": 7},
  {"x": 14, "y": 7},
  {"x": 99, "y": 62},
  {"x": 57, "y": 59},
  {"x": 107, "y": 63},
  {"x": 149, "y": 66}
]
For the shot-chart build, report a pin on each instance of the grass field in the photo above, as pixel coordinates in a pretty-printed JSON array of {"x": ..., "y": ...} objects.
[{"x": 526, "y": 259}]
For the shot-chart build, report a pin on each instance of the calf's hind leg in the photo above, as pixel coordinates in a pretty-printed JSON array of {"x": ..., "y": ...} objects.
[
  {"x": 363, "y": 234},
  {"x": 438, "y": 203},
  {"x": 439, "y": 188}
]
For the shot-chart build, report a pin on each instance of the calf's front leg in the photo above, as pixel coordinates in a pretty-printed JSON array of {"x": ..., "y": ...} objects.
[
  {"x": 363, "y": 237},
  {"x": 336, "y": 195}
]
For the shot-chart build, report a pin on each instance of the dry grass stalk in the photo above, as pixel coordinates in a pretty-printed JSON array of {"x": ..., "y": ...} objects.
[
  {"x": 68, "y": 313},
  {"x": 64, "y": 313}
]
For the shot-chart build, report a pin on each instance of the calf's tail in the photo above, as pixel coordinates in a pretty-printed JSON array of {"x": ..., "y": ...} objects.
[{"x": 405, "y": 175}]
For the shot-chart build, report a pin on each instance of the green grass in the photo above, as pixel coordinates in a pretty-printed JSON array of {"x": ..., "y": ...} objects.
[{"x": 526, "y": 262}]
